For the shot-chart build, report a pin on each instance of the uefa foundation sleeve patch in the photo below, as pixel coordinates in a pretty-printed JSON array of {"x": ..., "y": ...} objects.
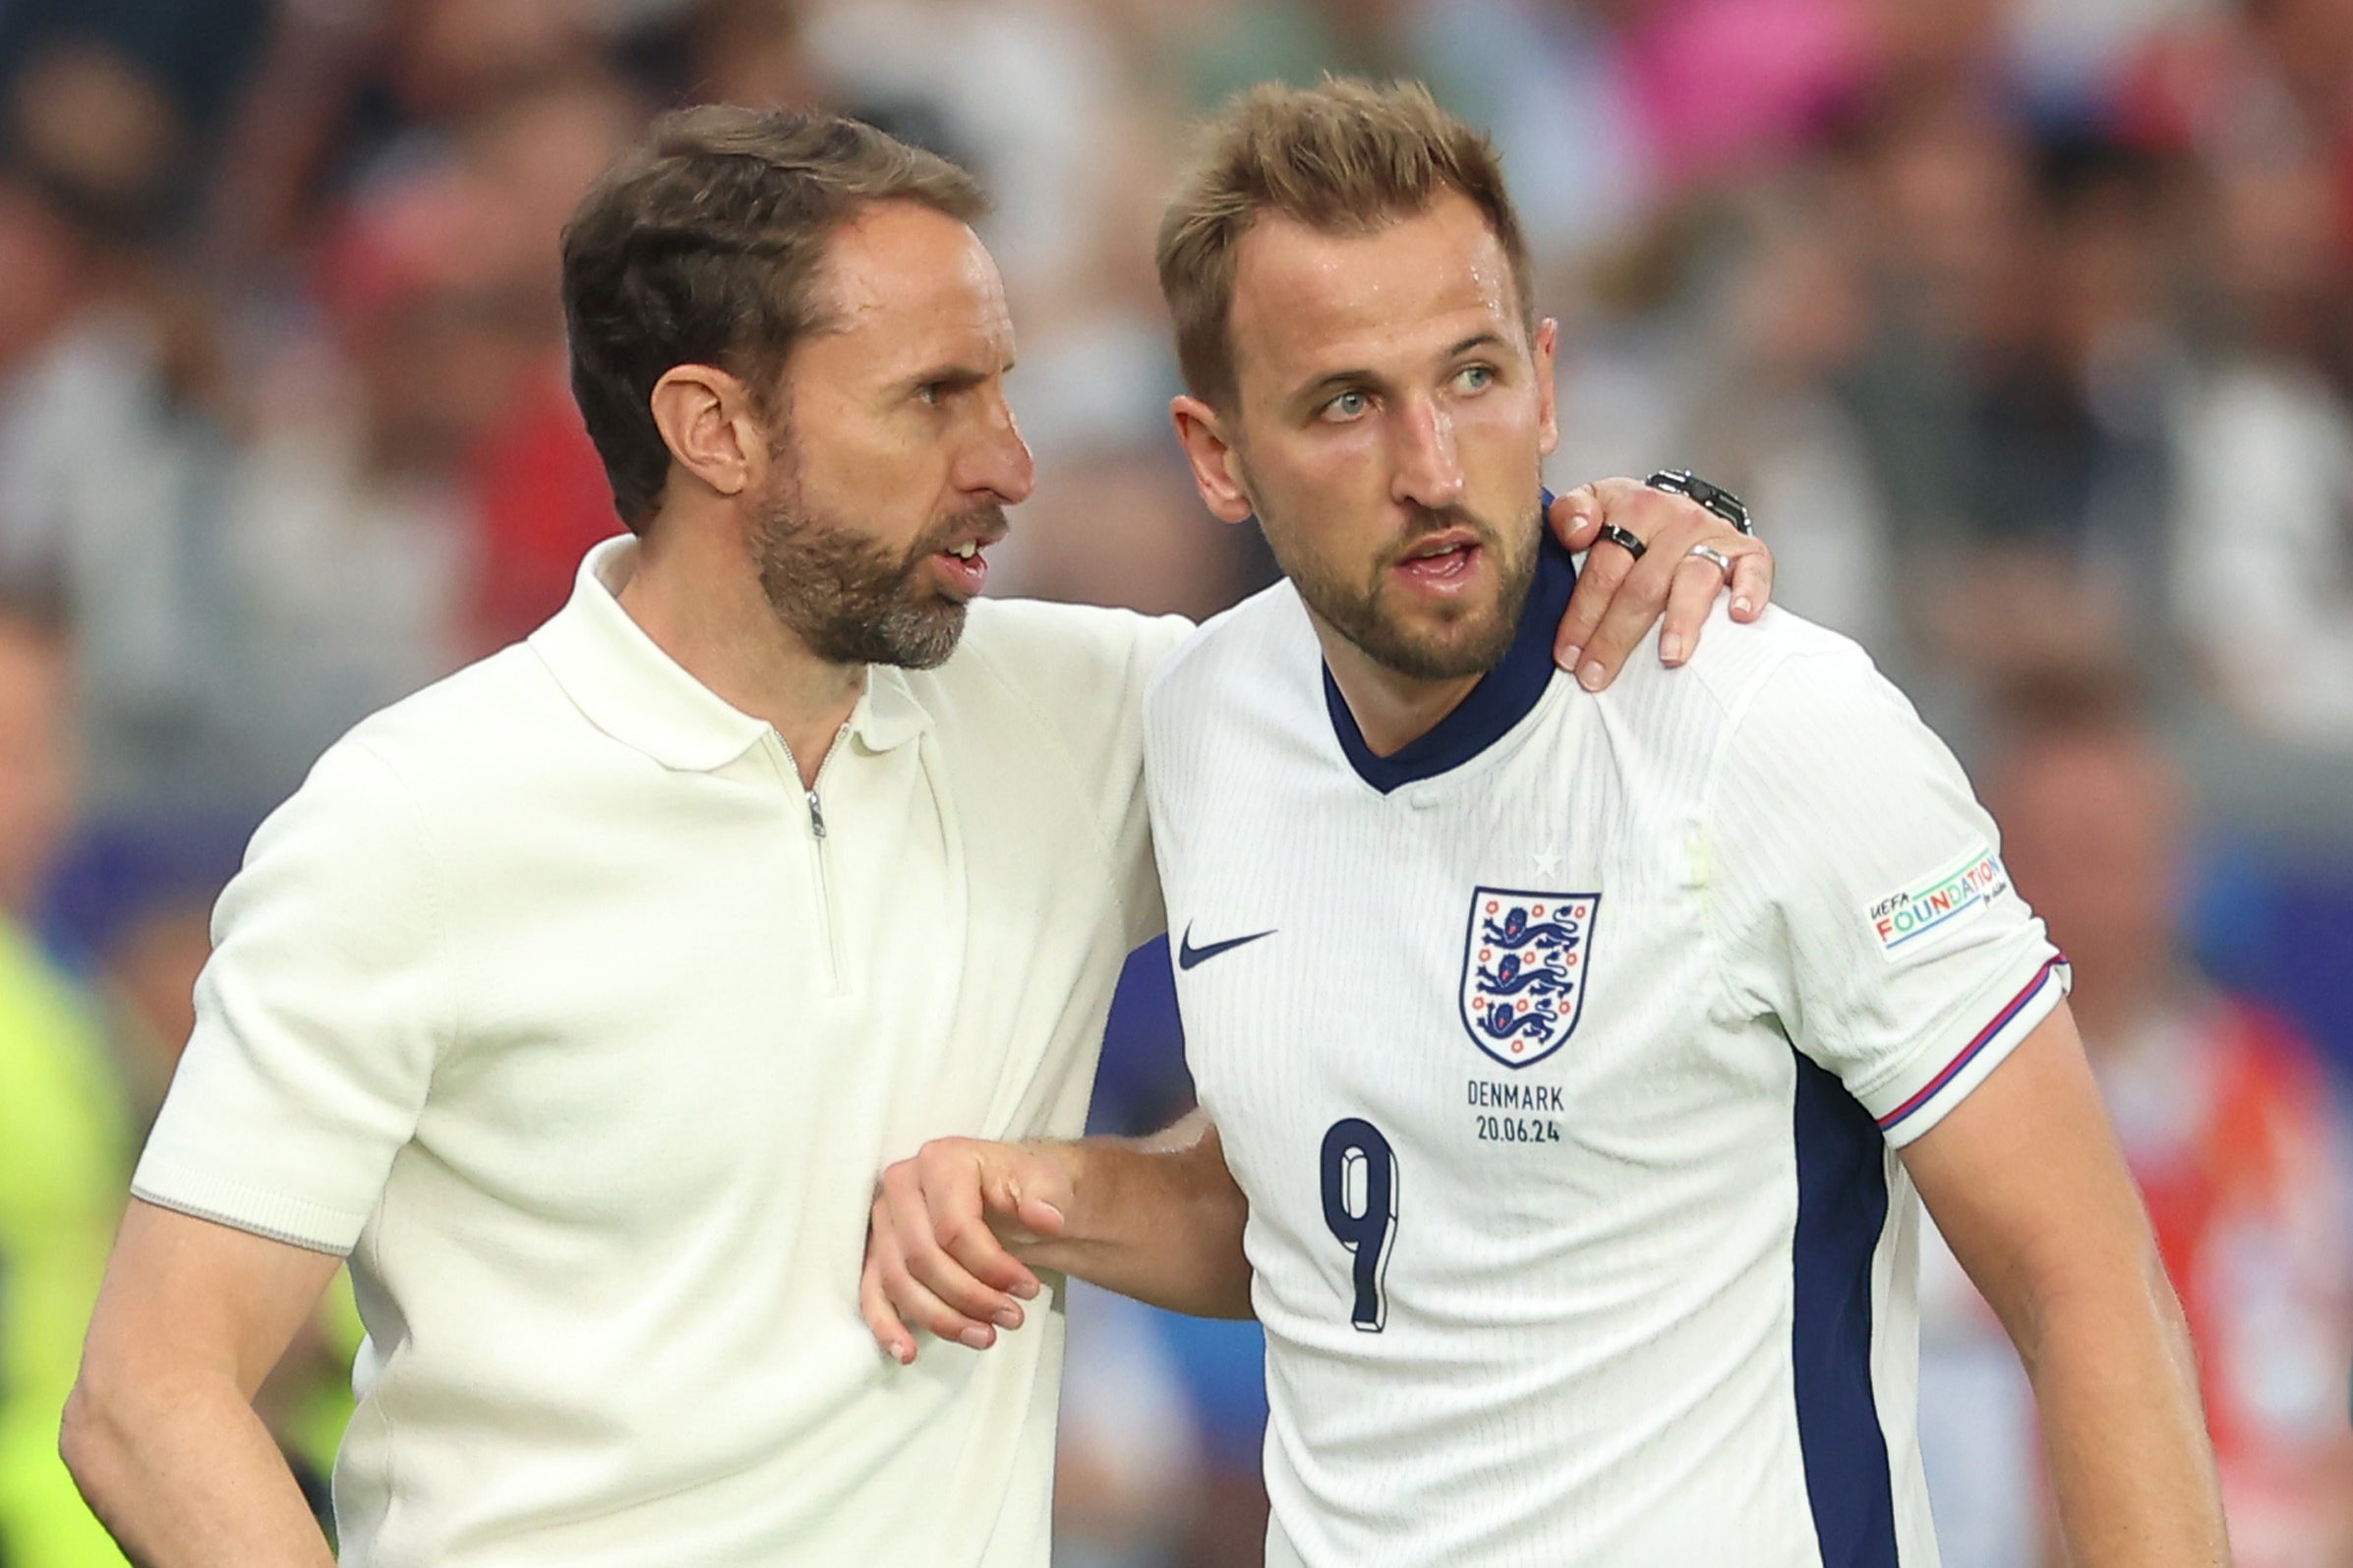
[{"x": 1921, "y": 916}]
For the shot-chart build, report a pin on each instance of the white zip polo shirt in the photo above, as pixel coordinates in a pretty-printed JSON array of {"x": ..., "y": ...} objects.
[{"x": 556, "y": 1002}]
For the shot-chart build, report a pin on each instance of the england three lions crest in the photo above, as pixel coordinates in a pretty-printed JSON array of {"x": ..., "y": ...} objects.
[{"x": 1523, "y": 970}]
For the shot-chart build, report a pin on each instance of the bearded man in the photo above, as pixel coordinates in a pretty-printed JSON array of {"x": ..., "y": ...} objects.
[
  {"x": 580, "y": 999},
  {"x": 1573, "y": 1070}
]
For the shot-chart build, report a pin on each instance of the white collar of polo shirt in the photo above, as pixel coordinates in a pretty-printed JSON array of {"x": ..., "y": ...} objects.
[{"x": 629, "y": 688}]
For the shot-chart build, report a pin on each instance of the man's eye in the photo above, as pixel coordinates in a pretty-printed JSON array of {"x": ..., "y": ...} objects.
[
  {"x": 1347, "y": 406},
  {"x": 1475, "y": 377},
  {"x": 932, "y": 392}
]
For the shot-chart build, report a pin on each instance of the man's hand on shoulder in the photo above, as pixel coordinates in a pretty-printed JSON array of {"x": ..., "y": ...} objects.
[
  {"x": 1620, "y": 596},
  {"x": 940, "y": 1241}
]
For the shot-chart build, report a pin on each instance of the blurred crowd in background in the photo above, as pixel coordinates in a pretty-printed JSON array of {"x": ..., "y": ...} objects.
[{"x": 2026, "y": 328}]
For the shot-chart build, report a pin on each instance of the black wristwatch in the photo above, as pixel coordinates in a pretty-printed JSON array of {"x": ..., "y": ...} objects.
[{"x": 1715, "y": 498}]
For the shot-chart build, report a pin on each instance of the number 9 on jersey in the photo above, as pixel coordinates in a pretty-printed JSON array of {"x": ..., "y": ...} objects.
[{"x": 1360, "y": 1204}]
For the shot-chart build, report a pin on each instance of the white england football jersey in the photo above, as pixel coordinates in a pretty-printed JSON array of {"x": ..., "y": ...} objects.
[{"x": 1563, "y": 1057}]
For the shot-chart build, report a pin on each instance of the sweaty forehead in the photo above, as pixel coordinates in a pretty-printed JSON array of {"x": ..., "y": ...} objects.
[{"x": 1307, "y": 302}]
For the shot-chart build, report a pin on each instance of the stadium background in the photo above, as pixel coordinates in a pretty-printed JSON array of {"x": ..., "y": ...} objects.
[{"x": 2027, "y": 328}]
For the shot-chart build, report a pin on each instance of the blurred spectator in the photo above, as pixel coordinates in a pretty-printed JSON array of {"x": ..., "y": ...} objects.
[
  {"x": 108, "y": 452},
  {"x": 197, "y": 53},
  {"x": 2267, "y": 453},
  {"x": 2267, "y": 459},
  {"x": 1729, "y": 88},
  {"x": 63, "y": 1147},
  {"x": 1551, "y": 83},
  {"x": 1211, "y": 49},
  {"x": 1753, "y": 401},
  {"x": 1223, "y": 1366},
  {"x": 2073, "y": 56},
  {"x": 129, "y": 909},
  {"x": 1125, "y": 1471},
  {"x": 750, "y": 51},
  {"x": 347, "y": 513},
  {"x": 2227, "y": 1122},
  {"x": 2014, "y": 396},
  {"x": 535, "y": 483},
  {"x": 103, "y": 129},
  {"x": 346, "y": 90},
  {"x": 1019, "y": 90},
  {"x": 238, "y": 603}
]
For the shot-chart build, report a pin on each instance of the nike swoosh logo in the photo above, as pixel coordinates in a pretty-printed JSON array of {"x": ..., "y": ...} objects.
[{"x": 1188, "y": 955}]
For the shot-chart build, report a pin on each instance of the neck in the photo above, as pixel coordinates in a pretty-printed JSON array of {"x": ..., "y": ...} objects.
[
  {"x": 1392, "y": 710},
  {"x": 696, "y": 592}
]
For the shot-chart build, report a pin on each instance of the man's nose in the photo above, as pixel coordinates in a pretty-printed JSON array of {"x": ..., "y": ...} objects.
[
  {"x": 1428, "y": 470},
  {"x": 998, "y": 461}
]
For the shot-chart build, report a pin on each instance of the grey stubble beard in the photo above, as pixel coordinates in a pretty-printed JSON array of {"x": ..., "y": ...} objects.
[{"x": 846, "y": 597}]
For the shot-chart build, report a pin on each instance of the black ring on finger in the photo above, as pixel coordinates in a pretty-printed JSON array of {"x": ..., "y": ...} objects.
[{"x": 1622, "y": 539}]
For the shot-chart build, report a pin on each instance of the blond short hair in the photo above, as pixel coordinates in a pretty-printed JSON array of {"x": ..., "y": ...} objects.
[{"x": 1348, "y": 156}]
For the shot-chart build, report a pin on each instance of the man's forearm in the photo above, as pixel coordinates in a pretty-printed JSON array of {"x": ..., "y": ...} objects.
[
  {"x": 2027, "y": 1182},
  {"x": 184, "y": 1475},
  {"x": 2116, "y": 1386},
  {"x": 1158, "y": 1219}
]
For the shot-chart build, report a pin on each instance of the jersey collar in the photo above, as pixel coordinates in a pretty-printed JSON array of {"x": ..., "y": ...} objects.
[
  {"x": 1503, "y": 696},
  {"x": 625, "y": 686}
]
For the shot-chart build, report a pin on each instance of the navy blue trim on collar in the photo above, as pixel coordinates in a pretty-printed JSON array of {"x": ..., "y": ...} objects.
[{"x": 1505, "y": 695}]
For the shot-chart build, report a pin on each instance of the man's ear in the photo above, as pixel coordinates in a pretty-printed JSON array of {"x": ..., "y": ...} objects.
[
  {"x": 707, "y": 420},
  {"x": 1548, "y": 344},
  {"x": 1216, "y": 461}
]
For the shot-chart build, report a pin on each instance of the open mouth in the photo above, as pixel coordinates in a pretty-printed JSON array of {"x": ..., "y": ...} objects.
[
  {"x": 964, "y": 564},
  {"x": 1441, "y": 561}
]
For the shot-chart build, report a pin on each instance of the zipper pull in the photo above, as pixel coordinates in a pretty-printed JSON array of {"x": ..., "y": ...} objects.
[{"x": 817, "y": 815}]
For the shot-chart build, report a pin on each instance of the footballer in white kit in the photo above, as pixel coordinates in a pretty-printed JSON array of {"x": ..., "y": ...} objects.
[
  {"x": 1569, "y": 1058},
  {"x": 1560, "y": 1055}
]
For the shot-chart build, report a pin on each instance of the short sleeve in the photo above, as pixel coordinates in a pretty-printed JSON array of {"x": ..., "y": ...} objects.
[
  {"x": 319, "y": 1019},
  {"x": 1860, "y": 895}
]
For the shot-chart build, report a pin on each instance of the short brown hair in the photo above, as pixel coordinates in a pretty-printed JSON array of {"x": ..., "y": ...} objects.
[
  {"x": 702, "y": 246},
  {"x": 1348, "y": 156}
]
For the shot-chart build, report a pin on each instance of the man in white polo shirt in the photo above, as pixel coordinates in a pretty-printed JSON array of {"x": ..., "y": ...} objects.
[{"x": 580, "y": 998}]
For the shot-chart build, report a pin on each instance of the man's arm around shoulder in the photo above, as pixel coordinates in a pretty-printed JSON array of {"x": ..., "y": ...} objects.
[
  {"x": 958, "y": 1230},
  {"x": 2024, "y": 1180},
  {"x": 161, "y": 1432}
]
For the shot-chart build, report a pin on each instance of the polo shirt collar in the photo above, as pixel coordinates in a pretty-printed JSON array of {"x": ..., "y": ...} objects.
[
  {"x": 888, "y": 716},
  {"x": 625, "y": 686}
]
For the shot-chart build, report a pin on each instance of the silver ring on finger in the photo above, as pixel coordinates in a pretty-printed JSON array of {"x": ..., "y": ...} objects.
[
  {"x": 1625, "y": 541},
  {"x": 1714, "y": 558}
]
